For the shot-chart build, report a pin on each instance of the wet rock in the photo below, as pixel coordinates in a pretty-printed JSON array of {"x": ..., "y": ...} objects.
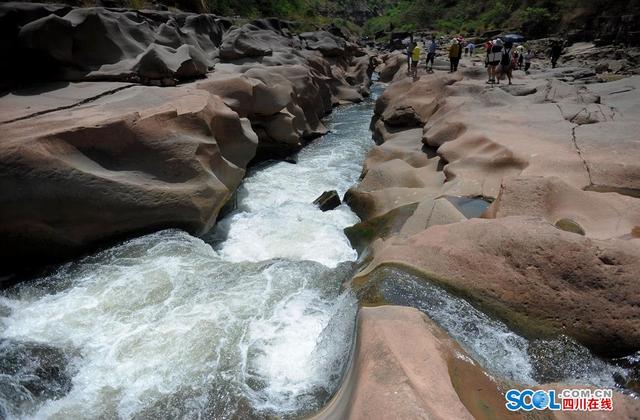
[
  {"x": 362, "y": 234},
  {"x": 431, "y": 377},
  {"x": 293, "y": 159},
  {"x": 539, "y": 279},
  {"x": 31, "y": 372},
  {"x": 631, "y": 379},
  {"x": 328, "y": 200},
  {"x": 469, "y": 206}
]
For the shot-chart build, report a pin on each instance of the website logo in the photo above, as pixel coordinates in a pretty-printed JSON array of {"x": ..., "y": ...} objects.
[{"x": 564, "y": 400}]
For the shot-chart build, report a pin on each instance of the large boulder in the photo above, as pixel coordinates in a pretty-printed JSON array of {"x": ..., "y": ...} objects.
[
  {"x": 540, "y": 279},
  {"x": 106, "y": 44},
  {"x": 250, "y": 41},
  {"x": 432, "y": 377},
  {"x": 328, "y": 44},
  {"x": 394, "y": 65},
  {"x": 140, "y": 159}
]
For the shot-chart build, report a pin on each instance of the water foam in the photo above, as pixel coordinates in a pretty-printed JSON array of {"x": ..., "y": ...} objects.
[{"x": 166, "y": 326}]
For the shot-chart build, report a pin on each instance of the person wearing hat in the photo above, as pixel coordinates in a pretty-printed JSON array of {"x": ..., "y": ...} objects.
[{"x": 493, "y": 60}]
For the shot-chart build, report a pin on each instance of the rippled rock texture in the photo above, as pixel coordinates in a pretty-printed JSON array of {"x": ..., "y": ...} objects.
[
  {"x": 94, "y": 153},
  {"x": 558, "y": 252}
]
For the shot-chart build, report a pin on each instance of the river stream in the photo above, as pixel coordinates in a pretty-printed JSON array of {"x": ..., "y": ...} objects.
[{"x": 249, "y": 321}]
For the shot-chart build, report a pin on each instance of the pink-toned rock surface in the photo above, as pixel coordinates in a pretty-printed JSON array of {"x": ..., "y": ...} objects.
[
  {"x": 428, "y": 377},
  {"x": 601, "y": 215},
  {"x": 88, "y": 162},
  {"x": 138, "y": 159},
  {"x": 22, "y": 103},
  {"x": 538, "y": 278},
  {"x": 559, "y": 255},
  {"x": 405, "y": 367}
]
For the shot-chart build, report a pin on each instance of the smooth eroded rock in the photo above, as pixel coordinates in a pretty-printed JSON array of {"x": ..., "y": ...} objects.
[
  {"x": 539, "y": 279},
  {"x": 405, "y": 367},
  {"x": 140, "y": 159}
]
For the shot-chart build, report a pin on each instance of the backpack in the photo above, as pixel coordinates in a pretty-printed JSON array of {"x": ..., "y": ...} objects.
[{"x": 506, "y": 57}]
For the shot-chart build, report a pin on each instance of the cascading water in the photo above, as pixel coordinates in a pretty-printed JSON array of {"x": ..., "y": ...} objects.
[
  {"x": 489, "y": 341},
  {"x": 248, "y": 322}
]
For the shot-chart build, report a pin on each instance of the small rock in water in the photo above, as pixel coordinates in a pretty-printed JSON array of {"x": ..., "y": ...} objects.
[
  {"x": 570, "y": 226},
  {"x": 329, "y": 200}
]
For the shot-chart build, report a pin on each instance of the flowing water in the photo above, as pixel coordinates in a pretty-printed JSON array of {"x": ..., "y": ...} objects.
[
  {"x": 489, "y": 341},
  {"x": 249, "y": 321}
]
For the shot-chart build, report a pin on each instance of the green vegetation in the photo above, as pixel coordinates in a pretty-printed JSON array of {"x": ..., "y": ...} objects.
[
  {"x": 534, "y": 17},
  {"x": 537, "y": 20}
]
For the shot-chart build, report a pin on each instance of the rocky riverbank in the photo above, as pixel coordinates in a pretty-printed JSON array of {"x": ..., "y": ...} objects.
[
  {"x": 146, "y": 120},
  {"x": 523, "y": 199}
]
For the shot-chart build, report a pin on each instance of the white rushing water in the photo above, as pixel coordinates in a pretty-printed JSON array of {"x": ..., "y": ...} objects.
[
  {"x": 490, "y": 342},
  {"x": 250, "y": 323}
]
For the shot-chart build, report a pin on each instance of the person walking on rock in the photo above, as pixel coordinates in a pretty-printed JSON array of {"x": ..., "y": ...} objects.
[
  {"x": 415, "y": 58},
  {"x": 487, "y": 48},
  {"x": 455, "y": 51},
  {"x": 472, "y": 48},
  {"x": 494, "y": 57},
  {"x": 528, "y": 57},
  {"x": 520, "y": 51},
  {"x": 408, "y": 54},
  {"x": 556, "y": 50},
  {"x": 431, "y": 53},
  {"x": 506, "y": 62}
]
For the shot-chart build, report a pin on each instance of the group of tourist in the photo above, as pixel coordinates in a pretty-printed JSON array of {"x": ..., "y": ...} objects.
[
  {"x": 413, "y": 56},
  {"x": 502, "y": 57}
]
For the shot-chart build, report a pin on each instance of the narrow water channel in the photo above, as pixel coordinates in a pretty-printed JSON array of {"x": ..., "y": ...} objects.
[
  {"x": 249, "y": 321},
  {"x": 499, "y": 350}
]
